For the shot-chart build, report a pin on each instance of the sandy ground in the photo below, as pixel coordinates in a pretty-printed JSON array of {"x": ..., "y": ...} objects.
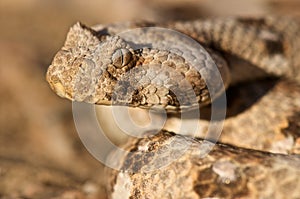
[{"x": 41, "y": 155}]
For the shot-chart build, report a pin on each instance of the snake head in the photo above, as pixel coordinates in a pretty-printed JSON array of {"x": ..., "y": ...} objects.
[
  {"x": 87, "y": 66},
  {"x": 95, "y": 67}
]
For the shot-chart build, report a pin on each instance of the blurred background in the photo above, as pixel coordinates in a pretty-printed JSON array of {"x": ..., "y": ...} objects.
[{"x": 41, "y": 155}]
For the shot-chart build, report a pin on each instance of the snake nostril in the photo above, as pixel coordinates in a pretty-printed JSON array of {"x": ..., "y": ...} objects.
[
  {"x": 57, "y": 81},
  {"x": 56, "y": 84}
]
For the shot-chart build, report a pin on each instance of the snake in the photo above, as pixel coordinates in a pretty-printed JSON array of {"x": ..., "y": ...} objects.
[{"x": 257, "y": 58}]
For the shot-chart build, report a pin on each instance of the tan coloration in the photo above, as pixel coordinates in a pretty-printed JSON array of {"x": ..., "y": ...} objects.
[
  {"x": 96, "y": 66},
  {"x": 268, "y": 112},
  {"x": 225, "y": 172},
  {"x": 91, "y": 62},
  {"x": 270, "y": 43},
  {"x": 83, "y": 69},
  {"x": 269, "y": 116}
]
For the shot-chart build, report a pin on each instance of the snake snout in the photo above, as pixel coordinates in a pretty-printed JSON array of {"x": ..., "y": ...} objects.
[{"x": 58, "y": 75}]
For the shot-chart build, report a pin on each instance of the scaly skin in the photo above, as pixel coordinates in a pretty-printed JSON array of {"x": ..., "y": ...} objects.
[
  {"x": 94, "y": 63},
  {"x": 225, "y": 172}
]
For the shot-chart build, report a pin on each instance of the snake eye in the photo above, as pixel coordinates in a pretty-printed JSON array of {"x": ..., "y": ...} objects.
[{"x": 121, "y": 57}]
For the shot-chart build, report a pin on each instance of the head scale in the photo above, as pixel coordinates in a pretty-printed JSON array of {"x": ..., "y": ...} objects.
[{"x": 81, "y": 70}]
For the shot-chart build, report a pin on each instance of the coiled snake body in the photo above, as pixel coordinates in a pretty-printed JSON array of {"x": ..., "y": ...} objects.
[{"x": 261, "y": 156}]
